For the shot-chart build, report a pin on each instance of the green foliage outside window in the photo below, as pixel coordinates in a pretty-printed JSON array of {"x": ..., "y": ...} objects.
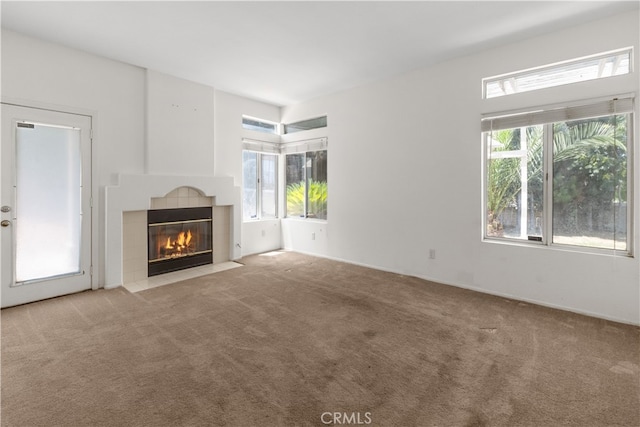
[
  {"x": 589, "y": 175},
  {"x": 317, "y": 207}
]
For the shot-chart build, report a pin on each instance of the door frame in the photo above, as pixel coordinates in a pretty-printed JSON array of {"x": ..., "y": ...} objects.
[{"x": 96, "y": 273}]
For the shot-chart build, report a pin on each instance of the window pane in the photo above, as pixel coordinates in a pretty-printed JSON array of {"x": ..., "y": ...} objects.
[
  {"x": 514, "y": 183},
  {"x": 317, "y": 184},
  {"x": 249, "y": 185},
  {"x": 295, "y": 182},
  {"x": 268, "y": 185},
  {"x": 48, "y": 202},
  {"x": 590, "y": 182}
]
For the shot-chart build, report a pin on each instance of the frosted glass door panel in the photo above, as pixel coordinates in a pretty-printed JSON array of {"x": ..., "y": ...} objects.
[{"x": 48, "y": 202}]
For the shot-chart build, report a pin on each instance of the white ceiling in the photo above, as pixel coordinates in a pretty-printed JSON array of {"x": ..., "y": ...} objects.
[{"x": 287, "y": 52}]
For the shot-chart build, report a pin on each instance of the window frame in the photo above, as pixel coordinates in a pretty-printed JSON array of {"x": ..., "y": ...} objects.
[
  {"x": 304, "y": 147},
  {"x": 548, "y": 173},
  {"x": 307, "y": 179},
  {"x": 259, "y": 186}
]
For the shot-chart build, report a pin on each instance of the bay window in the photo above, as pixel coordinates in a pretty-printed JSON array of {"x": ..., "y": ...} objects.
[{"x": 304, "y": 171}]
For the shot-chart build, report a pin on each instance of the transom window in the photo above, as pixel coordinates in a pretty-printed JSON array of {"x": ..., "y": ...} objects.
[
  {"x": 561, "y": 176},
  {"x": 598, "y": 66},
  {"x": 303, "y": 125},
  {"x": 259, "y": 125}
]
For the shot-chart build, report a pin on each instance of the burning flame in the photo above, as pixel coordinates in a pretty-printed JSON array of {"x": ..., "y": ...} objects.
[
  {"x": 181, "y": 239},
  {"x": 181, "y": 243}
]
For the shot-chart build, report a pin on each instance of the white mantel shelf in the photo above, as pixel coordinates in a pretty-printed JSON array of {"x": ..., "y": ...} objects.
[{"x": 134, "y": 193}]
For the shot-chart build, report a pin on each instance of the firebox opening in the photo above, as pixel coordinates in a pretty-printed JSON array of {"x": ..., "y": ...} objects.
[{"x": 179, "y": 239}]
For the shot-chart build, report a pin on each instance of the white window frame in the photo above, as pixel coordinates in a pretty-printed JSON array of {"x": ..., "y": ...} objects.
[
  {"x": 547, "y": 116},
  {"x": 303, "y": 147},
  {"x": 261, "y": 148}
]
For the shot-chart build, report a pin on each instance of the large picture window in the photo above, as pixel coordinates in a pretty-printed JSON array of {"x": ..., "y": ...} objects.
[
  {"x": 259, "y": 195},
  {"x": 561, "y": 176},
  {"x": 306, "y": 184}
]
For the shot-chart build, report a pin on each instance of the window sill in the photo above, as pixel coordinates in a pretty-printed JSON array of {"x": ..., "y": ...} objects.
[
  {"x": 559, "y": 247},
  {"x": 301, "y": 219},
  {"x": 253, "y": 220}
]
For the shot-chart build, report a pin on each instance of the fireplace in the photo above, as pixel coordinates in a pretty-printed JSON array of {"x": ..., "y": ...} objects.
[{"x": 179, "y": 239}]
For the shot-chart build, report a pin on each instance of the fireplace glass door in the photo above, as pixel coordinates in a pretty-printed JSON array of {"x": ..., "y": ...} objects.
[{"x": 179, "y": 239}]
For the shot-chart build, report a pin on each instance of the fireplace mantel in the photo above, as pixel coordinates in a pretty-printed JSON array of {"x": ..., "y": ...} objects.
[{"x": 134, "y": 192}]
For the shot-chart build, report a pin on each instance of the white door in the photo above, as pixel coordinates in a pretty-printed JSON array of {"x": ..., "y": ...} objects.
[{"x": 45, "y": 204}]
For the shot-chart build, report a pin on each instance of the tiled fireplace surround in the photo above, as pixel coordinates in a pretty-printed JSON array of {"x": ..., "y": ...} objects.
[{"x": 126, "y": 210}]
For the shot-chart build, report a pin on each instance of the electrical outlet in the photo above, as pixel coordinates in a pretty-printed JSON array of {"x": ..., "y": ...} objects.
[
  {"x": 263, "y": 233},
  {"x": 432, "y": 254},
  {"x": 313, "y": 236}
]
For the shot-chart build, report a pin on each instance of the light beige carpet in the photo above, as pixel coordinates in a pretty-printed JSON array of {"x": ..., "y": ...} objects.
[{"x": 288, "y": 338}]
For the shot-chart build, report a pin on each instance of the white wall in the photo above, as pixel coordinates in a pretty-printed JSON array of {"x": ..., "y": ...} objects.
[
  {"x": 180, "y": 130},
  {"x": 405, "y": 177}
]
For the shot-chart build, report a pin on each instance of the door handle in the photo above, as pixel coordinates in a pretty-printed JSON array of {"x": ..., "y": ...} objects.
[{"x": 5, "y": 223}]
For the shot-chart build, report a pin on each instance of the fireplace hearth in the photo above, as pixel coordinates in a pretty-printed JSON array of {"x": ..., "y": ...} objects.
[{"x": 179, "y": 239}]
